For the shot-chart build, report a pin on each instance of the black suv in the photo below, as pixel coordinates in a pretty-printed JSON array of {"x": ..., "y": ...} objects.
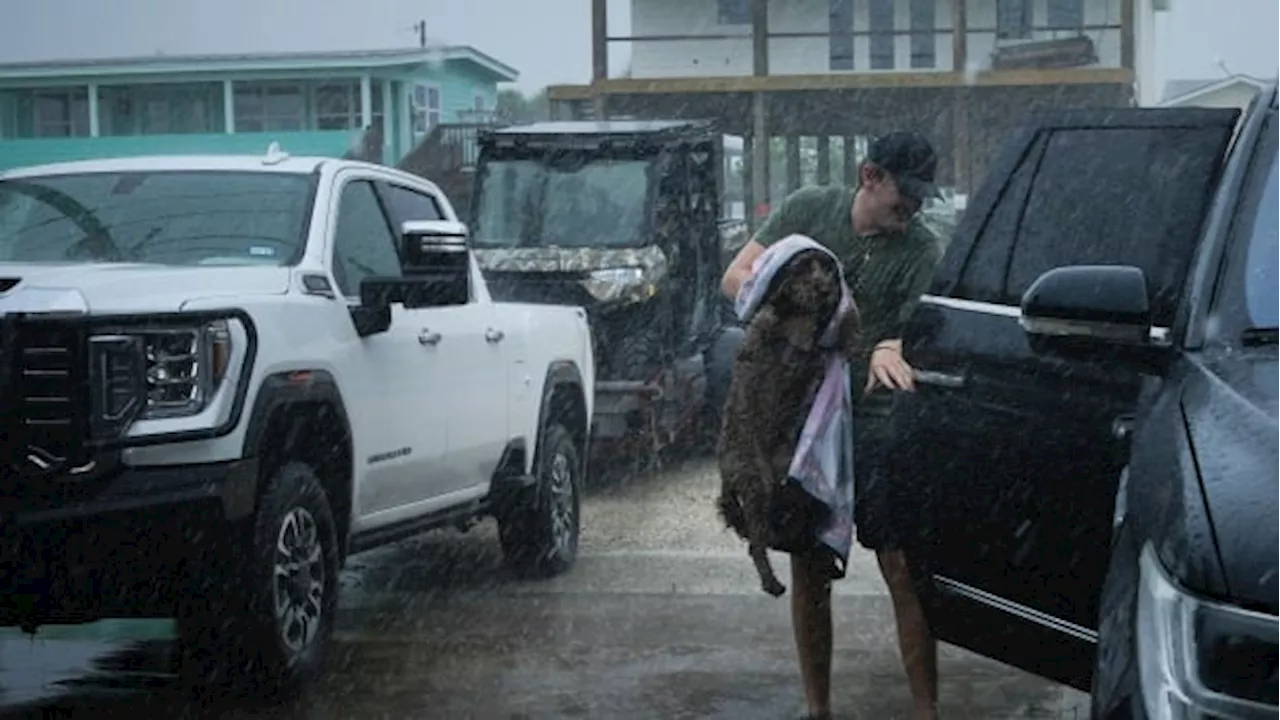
[{"x": 1092, "y": 445}]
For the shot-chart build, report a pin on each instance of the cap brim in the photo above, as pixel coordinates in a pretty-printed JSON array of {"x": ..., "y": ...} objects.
[{"x": 918, "y": 189}]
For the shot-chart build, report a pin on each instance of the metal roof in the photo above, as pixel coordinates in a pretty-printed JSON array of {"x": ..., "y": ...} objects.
[
  {"x": 608, "y": 127},
  {"x": 250, "y": 62}
]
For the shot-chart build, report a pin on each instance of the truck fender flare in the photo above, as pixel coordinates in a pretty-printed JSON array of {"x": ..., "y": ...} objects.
[{"x": 287, "y": 388}]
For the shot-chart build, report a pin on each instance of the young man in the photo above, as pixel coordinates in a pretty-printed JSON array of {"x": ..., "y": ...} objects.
[{"x": 889, "y": 258}]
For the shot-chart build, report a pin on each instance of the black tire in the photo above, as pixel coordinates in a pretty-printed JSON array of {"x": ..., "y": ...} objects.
[
  {"x": 233, "y": 633},
  {"x": 719, "y": 368},
  {"x": 637, "y": 356},
  {"x": 1115, "y": 665},
  {"x": 539, "y": 530}
]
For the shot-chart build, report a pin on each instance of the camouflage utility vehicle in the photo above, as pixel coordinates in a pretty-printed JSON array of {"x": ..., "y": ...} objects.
[{"x": 621, "y": 218}]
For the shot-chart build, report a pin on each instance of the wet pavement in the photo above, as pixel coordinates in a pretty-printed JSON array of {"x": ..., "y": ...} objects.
[{"x": 661, "y": 618}]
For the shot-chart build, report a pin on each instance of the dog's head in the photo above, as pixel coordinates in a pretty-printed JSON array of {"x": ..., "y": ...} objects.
[{"x": 805, "y": 295}]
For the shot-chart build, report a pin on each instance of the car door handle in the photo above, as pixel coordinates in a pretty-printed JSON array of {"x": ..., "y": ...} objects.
[
  {"x": 427, "y": 337},
  {"x": 941, "y": 379},
  {"x": 493, "y": 335}
]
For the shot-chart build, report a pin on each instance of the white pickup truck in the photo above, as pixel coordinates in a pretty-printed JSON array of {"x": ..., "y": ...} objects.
[{"x": 219, "y": 376}]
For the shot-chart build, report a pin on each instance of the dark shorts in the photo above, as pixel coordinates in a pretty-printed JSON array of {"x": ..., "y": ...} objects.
[{"x": 882, "y": 511}]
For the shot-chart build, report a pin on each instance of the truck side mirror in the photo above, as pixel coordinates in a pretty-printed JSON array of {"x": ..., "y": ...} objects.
[
  {"x": 436, "y": 263},
  {"x": 1095, "y": 304}
]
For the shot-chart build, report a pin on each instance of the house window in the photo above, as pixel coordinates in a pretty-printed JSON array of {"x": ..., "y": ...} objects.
[
  {"x": 269, "y": 107},
  {"x": 924, "y": 45},
  {"x": 1066, "y": 16},
  {"x": 61, "y": 113},
  {"x": 733, "y": 12},
  {"x": 840, "y": 27},
  {"x": 426, "y": 108},
  {"x": 337, "y": 105},
  {"x": 880, "y": 23},
  {"x": 1013, "y": 19}
]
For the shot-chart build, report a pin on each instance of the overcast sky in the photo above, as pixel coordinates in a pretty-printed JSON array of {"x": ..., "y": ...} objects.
[{"x": 548, "y": 41}]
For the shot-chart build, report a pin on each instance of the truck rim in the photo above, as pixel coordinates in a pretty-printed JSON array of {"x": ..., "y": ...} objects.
[
  {"x": 562, "y": 506},
  {"x": 299, "y": 580}
]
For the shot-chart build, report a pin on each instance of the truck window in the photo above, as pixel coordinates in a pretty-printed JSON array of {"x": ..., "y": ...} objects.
[
  {"x": 411, "y": 205},
  {"x": 1260, "y": 279},
  {"x": 982, "y": 275},
  {"x": 1130, "y": 196},
  {"x": 363, "y": 242}
]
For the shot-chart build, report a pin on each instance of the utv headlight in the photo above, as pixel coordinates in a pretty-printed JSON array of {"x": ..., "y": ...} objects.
[
  {"x": 1200, "y": 659},
  {"x": 627, "y": 284},
  {"x": 156, "y": 373}
]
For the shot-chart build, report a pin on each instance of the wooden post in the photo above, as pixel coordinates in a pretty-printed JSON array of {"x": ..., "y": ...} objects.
[
  {"x": 1127, "y": 34},
  {"x": 599, "y": 54},
  {"x": 959, "y": 36},
  {"x": 850, "y": 160},
  {"x": 759, "y": 108},
  {"x": 748, "y": 180},
  {"x": 794, "y": 177},
  {"x": 960, "y": 140},
  {"x": 824, "y": 160}
]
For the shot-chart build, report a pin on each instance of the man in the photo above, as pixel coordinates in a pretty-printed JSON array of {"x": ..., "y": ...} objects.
[{"x": 889, "y": 258}]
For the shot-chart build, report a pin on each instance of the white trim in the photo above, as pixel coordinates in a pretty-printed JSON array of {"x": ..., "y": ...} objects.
[
  {"x": 94, "y": 127},
  {"x": 1159, "y": 334},
  {"x": 366, "y": 102},
  {"x": 425, "y": 111},
  {"x": 1222, "y": 84},
  {"x": 181, "y": 65},
  {"x": 229, "y": 106}
]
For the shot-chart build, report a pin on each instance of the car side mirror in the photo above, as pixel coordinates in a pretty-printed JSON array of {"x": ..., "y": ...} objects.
[
  {"x": 436, "y": 262},
  {"x": 1094, "y": 304}
]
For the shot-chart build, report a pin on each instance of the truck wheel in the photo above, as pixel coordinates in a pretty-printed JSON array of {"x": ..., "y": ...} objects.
[
  {"x": 539, "y": 532},
  {"x": 267, "y": 623}
]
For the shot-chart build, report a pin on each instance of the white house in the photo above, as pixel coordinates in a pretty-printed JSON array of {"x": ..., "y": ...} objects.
[{"x": 702, "y": 38}]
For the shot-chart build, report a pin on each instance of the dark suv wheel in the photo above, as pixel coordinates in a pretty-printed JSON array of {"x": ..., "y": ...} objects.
[{"x": 268, "y": 614}]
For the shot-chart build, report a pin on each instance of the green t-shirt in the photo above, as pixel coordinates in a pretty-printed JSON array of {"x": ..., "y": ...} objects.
[{"x": 886, "y": 273}]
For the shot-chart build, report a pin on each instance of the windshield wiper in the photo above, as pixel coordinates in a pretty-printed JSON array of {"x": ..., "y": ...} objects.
[{"x": 1253, "y": 337}]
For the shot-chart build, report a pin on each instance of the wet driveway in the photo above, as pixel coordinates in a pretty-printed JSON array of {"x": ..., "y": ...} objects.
[{"x": 661, "y": 618}]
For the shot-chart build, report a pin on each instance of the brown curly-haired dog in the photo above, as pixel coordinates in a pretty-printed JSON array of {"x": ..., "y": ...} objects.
[{"x": 775, "y": 376}]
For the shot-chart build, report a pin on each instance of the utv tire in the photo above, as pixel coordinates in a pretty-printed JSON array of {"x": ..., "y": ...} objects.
[
  {"x": 266, "y": 616},
  {"x": 638, "y": 356},
  {"x": 539, "y": 530}
]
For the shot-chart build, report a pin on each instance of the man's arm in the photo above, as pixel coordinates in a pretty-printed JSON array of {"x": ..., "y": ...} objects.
[
  {"x": 791, "y": 217},
  {"x": 740, "y": 269}
]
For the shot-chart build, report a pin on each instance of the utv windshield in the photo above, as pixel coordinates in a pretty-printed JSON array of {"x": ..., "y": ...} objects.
[
  {"x": 166, "y": 218},
  {"x": 534, "y": 202}
]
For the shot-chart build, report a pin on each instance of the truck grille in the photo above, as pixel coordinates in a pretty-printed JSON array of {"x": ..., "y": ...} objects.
[{"x": 43, "y": 395}]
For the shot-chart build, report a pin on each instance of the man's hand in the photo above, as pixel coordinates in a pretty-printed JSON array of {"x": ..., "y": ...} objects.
[{"x": 889, "y": 369}]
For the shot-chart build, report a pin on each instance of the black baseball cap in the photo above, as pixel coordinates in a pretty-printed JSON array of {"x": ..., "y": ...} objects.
[{"x": 910, "y": 159}]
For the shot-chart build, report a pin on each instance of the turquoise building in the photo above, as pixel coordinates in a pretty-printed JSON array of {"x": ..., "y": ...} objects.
[{"x": 379, "y": 104}]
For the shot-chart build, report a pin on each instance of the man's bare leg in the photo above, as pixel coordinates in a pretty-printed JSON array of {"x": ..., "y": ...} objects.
[
  {"x": 811, "y": 621},
  {"x": 916, "y": 644}
]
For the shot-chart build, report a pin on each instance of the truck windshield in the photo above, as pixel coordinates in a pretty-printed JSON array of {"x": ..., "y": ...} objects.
[
  {"x": 600, "y": 203},
  {"x": 166, "y": 218}
]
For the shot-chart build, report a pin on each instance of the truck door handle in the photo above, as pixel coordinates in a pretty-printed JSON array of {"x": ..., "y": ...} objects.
[
  {"x": 946, "y": 380},
  {"x": 427, "y": 337},
  {"x": 493, "y": 335}
]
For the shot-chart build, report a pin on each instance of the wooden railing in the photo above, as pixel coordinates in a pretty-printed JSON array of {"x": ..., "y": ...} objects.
[{"x": 447, "y": 156}]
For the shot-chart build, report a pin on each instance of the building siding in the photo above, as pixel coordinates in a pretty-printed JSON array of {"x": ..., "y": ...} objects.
[
  {"x": 459, "y": 83},
  {"x": 811, "y": 55}
]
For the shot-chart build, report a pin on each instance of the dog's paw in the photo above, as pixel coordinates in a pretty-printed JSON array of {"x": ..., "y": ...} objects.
[{"x": 774, "y": 588}]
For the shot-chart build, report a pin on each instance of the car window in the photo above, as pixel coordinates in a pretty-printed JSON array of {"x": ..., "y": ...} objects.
[
  {"x": 1130, "y": 196},
  {"x": 363, "y": 242},
  {"x": 1262, "y": 260},
  {"x": 409, "y": 205},
  {"x": 982, "y": 275}
]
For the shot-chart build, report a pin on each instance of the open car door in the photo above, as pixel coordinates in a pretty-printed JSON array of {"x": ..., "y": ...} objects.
[{"x": 1013, "y": 456}]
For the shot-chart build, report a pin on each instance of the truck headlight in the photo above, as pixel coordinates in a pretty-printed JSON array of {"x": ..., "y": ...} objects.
[
  {"x": 155, "y": 373},
  {"x": 1200, "y": 659},
  {"x": 628, "y": 284}
]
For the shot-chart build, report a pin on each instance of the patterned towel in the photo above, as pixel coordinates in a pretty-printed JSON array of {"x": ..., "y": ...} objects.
[{"x": 823, "y": 462}]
